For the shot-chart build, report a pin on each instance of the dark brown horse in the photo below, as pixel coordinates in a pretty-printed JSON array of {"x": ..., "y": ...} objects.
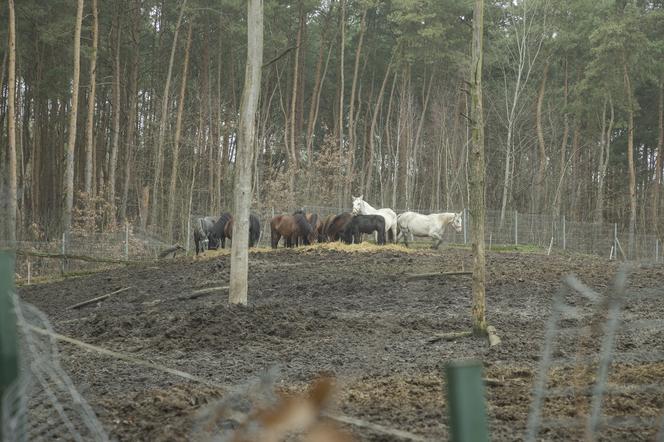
[
  {"x": 293, "y": 228},
  {"x": 336, "y": 227},
  {"x": 224, "y": 229}
]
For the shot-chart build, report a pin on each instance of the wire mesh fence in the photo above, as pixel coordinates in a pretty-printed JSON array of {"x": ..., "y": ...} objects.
[
  {"x": 514, "y": 229},
  {"x": 43, "y": 403},
  {"x": 598, "y": 360}
]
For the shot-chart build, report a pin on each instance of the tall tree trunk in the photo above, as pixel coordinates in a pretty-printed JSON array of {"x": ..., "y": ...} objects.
[
  {"x": 319, "y": 77},
  {"x": 176, "y": 141},
  {"x": 159, "y": 158},
  {"x": 131, "y": 108},
  {"x": 540, "y": 197},
  {"x": 71, "y": 132},
  {"x": 351, "y": 107},
  {"x": 246, "y": 135},
  {"x": 630, "y": 158},
  {"x": 89, "y": 139},
  {"x": 605, "y": 150},
  {"x": 557, "y": 200},
  {"x": 477, "y": 176},
  {"x": 117, "y": 110},
  {"x": 658, "y": 163},
  {"x": 342, "y": 24},
  {"x": 293, "y": 149},
  {"x": 11, "y": 124},
  {"x": 372, "y": 134}
]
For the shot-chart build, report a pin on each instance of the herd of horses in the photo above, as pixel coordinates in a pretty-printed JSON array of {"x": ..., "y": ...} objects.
[{"x": 303, "y": 228}]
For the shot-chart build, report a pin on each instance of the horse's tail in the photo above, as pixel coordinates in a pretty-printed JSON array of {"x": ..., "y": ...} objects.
[{"x": 254, "y": 230}]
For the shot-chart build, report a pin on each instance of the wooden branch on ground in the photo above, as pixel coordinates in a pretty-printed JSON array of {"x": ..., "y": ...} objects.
[
  {"x": 202, "y": 292},
  {"x": 172, "y": 249},
  {"x": 98, "y": 298},
  {"x": 449, "y": 336},
  {"x": 414, "y": 276}
]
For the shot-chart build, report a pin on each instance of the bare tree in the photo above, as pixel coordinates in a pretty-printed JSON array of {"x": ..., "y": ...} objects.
[
  {"x": 524, "y": 53},
  {"x": 176, "y": 141},
  {"x": 159, "y": 157},
  {"x": 246, "y": 136},
  {"x": 71, "y": 139},
  {"x": 477, "y": 176},
  {"x": 89, "y": 144},
  {"x": 11, "y": 123}
]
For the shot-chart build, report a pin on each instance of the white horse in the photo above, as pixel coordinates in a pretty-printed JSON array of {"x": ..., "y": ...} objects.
[
  {"x": 433, "y": 226},
  {"x": 361, "y": 207}
]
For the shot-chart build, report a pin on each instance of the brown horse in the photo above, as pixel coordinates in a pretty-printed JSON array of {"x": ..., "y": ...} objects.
[
  {"x": 292, "y": 228},
  {"x": 326, "y": 225},
  {"x": 336, "y": 227}
]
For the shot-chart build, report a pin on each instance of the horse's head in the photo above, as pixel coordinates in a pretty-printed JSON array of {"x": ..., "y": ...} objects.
[
  {"x": 357, "y": 204},
  {"x": 457, "y": 222}
]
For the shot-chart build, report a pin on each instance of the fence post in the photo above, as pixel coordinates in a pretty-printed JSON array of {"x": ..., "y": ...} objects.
[
  {"x": 516, "y": 228},
  {"x": 615, "y": 239},
  {"x": 187, "y": 244},
  {"x": 465, "y": 226},
  {"x": 64, "y": 252},
  {"x": 126, "y": 244},
  {"x": 8, "y": 334},
  {"x": 465, "y": 402},
  {"x": 564, "y": 234},
  {"x": 656, "y": 249}
]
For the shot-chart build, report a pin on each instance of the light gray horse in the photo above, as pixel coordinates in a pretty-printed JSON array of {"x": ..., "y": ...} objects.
[{"x": 202, "y": 229}]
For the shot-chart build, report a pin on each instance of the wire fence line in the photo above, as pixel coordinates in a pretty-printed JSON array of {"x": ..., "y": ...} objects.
[
  {"x": 517, "y": 229},
  {"x": 584, "y": 363},
  {"x": 44, "y": 403},
  {"x": 542, "y": 231}
]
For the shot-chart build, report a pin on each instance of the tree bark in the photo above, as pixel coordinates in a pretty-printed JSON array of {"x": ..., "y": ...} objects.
[
  {"x": 293, "y": 148},
  {"x": 342, "y": 24},
  {"x": 557, "y": 200},
  {"x": 71, "y": 132},
  {"x": 117, "y": 109},
  {"x": 176, "y": 141},
  {"x": 11, "y": 125},
  {"x": 246, "y": 133},
  {"x": 89, "y": 139},
  {"x": 630, "y": 158},
  {"x": 658, "y": 163},
  {"x": 319, "y": 77},
  {"x": 372, "y": 131},
  {"x": 159, "y": 159},
  {"x": 477, "y": 177},
  {"x": 131, "y": 108},
  {"x": 605, "y": 150},
  {"x": 540, "y": 197}
]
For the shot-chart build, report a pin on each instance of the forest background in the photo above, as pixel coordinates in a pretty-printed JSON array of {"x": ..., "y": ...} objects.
[{"x": 357, "y": 97}]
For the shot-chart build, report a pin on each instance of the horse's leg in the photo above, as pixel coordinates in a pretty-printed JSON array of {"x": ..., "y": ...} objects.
[{"x": 274, "y": 240}]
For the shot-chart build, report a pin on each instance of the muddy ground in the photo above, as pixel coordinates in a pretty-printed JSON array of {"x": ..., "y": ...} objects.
[{"x": 354, "y": 316}]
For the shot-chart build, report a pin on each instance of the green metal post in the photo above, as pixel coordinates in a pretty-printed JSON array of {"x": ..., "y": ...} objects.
[
  {"x": 465, "y": 402},
  {"x": 8, "y": 336}
]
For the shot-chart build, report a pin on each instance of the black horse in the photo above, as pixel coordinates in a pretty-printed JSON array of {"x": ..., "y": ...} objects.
[
  {"x": 224, "y": 229},
  {"x": 364, "y": 224},
  {"x": 203, "y": 228}
]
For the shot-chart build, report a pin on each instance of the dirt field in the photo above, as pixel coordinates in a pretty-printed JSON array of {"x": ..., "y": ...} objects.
[{"x": 351, "y": 315}]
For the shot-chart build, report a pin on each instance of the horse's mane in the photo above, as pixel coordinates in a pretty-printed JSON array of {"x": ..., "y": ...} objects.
[
  {"x": 299, "y": 212},
  {"x": 314, "y": 220}
]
